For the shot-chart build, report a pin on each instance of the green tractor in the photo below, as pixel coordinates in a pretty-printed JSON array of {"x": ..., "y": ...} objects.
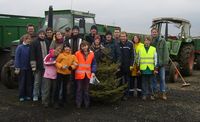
[
  {"x": 176, "y": 31},
  {"x": 58, "y": 20}
]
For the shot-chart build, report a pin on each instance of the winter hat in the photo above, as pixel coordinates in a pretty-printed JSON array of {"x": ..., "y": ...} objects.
[
  {"x": 75, "y": 27},
  {"x": 41, "y": 31},
  {"x": 93, "y": 27},
  {"x": 108, "y": 33}
]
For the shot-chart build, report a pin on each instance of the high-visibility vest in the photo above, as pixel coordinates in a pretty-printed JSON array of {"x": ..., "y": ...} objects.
[
  {"x": 84, "y": 65},
  {"x": 147, "y": 58}
]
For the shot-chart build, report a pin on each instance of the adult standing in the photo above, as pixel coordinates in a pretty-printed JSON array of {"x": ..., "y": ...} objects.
[
  {"x": 163, "y": 59},
  {"x": 49, "y": 34},
  {"x": 116, "y": 34},
  {"x": 93, "y": 31},
  {"x": 39, "y": 49},
  {"x": 127, "y": 56}
]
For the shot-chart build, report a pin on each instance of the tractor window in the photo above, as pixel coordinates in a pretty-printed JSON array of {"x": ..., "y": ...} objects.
[
  {"x": 174, "y": 31},
  {"x": 60, "y": 22},
  {"x": 88, "y": 23}
]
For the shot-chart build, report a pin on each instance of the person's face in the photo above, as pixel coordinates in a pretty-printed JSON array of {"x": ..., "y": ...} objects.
[
  {"x": 97, "y": 41},
  {"x": 147, "y": 42},
  {"x": 30, "y": 30},
  {"x": 75, "y": 32},
  {"x": 116, "y": 34},
  {"x": 67, "y": 49},
  {"x": 59, "y": 35},
  {"x": 68, "y": 33},
  {"x": 136, "y": 40},
  {"x": 27, "y": 40},
  {"x": 108, "y": 37},
  {"x": 85, "y": 48},
  {"x": 49, "y": 34},
  {"x": 123, "y": 37},
  {"x": 42, "y": 35},
  {"x": 154, "y": 33},
  {"x": 93, "y": 31}
]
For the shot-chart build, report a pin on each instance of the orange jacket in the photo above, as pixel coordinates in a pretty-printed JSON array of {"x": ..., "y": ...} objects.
[
  {"x": 84, "y": 65},
  {"x": 66, "y": 59}
]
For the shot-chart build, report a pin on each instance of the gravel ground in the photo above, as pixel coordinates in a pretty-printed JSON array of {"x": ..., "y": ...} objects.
[{"x": 183, "y": 105}]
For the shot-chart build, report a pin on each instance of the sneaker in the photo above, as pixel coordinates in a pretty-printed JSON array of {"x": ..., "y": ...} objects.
[
  {"x": 152, "y": 97},
  {"x": 163, "y": 96},
  {"x": 21, "y": 99},
  {"x": 35, "y": 99},
  {"x": 144, "y": 97}
]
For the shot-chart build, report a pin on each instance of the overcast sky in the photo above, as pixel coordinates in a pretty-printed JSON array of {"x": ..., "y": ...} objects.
[{"x": 130, "y": 15}]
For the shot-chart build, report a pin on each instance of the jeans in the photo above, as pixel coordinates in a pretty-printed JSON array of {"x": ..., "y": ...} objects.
[
  {"x": 161, "y": 76},
  {"x": 37, "y": 90},
  {"x": 82, "y": 92},
  {"x": 62, "y": 87},
  {"x": 49, "y": 91},
  {"x": 25, "y": 84},
  {"x": 126, "y": 78},
  {"x": 147, "y": 84}
]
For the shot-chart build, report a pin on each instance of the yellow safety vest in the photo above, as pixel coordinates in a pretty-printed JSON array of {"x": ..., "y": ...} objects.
[{"x": 147, "y": 58}]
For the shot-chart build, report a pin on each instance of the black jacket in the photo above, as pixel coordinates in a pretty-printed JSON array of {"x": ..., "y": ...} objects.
[
  {"x": 36, "y": 52},
  {"x": 89, "y": 38},
  {"x": 127, "y": 56}
]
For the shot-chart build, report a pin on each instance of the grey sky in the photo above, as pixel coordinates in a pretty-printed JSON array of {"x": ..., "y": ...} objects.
[{"x": 130, "y": 15}]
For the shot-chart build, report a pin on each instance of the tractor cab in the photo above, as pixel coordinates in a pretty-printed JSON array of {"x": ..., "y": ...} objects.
[
  {"x": 172, "y": 28},
  {"x": 60, "y": 19}
]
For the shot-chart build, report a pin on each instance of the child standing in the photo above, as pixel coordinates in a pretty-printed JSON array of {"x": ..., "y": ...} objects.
[
  {"x": 23, "y": 69},
  {"x": 65, "y": 63},
  {"x": 85, "y": 70},
  {"x": 50, "y": 76},
  {"x": 147, "y": 58}
]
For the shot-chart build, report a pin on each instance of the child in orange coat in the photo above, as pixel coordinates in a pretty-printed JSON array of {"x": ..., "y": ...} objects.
[{"x": 65, "y": 63}]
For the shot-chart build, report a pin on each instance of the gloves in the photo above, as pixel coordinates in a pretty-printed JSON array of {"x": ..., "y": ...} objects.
[
  {"x": 70, "y": 68},
  {"x": 131, "y": 68},
  {"x": 33, "y": 65},
  {"x": 155, "y": 71},
  {"x": 64, "y": 67},
  {"x": 17, "y": 71}
]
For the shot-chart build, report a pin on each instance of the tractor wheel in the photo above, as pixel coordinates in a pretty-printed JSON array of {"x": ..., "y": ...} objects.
[
  {"x": 173, "y": 74},
  {"x": 7, "y": 75},
  {"x": 198, "y": 62},
  {"x": 187, "y": 59}
]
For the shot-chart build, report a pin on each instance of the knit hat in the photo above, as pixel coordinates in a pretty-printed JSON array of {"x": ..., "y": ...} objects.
[
  {"x": 108, "y": 33},
  {"x": 75, "y": 27},
  {"x": 67, "y": 29},
  {"x": 41, "y": 31},
  {"x": 93, "y": 27},
  {"x": 66, "y": 45}
]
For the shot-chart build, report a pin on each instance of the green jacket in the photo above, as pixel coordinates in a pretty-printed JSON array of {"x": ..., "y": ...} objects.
[{"x": 162, "y": 50}]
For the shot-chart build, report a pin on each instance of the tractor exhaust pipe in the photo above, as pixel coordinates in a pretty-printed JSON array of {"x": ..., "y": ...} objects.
[{"x": 50, "y": 17}]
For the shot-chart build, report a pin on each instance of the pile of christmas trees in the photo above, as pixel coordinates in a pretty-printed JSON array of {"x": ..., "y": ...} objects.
[{"x": 109, "y": 89}]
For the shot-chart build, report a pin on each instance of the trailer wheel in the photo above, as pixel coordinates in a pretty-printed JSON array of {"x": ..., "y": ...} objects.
[
  {"x": 173, "y": 74},
  {"x": 7, "y": 75},
  {"x": 187, "y": 59}
]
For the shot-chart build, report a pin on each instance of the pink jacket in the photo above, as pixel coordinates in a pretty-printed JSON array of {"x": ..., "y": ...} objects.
[{"x": 50, "y": 68}]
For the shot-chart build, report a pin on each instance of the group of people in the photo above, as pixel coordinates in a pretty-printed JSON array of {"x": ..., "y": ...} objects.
[{"x": 53, "y": 66}]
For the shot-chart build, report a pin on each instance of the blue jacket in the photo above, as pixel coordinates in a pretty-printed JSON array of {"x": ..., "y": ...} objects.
[
  {"x": 22, "y": 57},
  {"x": 127, "y": 56}
]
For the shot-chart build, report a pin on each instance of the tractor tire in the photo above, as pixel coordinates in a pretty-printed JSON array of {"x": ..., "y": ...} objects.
[
  {"x": 173, "y": 74},
  {"x": 8, "y": 78},
  {"x": 186, "y": 58},
  {"x": 198, "y": 62}
]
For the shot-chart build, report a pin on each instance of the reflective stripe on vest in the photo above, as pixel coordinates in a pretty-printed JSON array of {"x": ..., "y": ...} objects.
[
  {"x": 147, "y": 58},
  {"x": 84, "y": 65}
]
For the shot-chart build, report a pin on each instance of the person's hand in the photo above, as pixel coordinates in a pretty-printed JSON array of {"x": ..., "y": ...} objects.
[
  {"x": 64, "y": 67},
  {"x": 138, "y": 72},
  {"x": 70, "y": 67},
  {"x": 131, "y": 68},
  {"x": 17, "y": 71},
  {"x": 155, "y": 72},
  {"x": 92, "y": 75}
]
